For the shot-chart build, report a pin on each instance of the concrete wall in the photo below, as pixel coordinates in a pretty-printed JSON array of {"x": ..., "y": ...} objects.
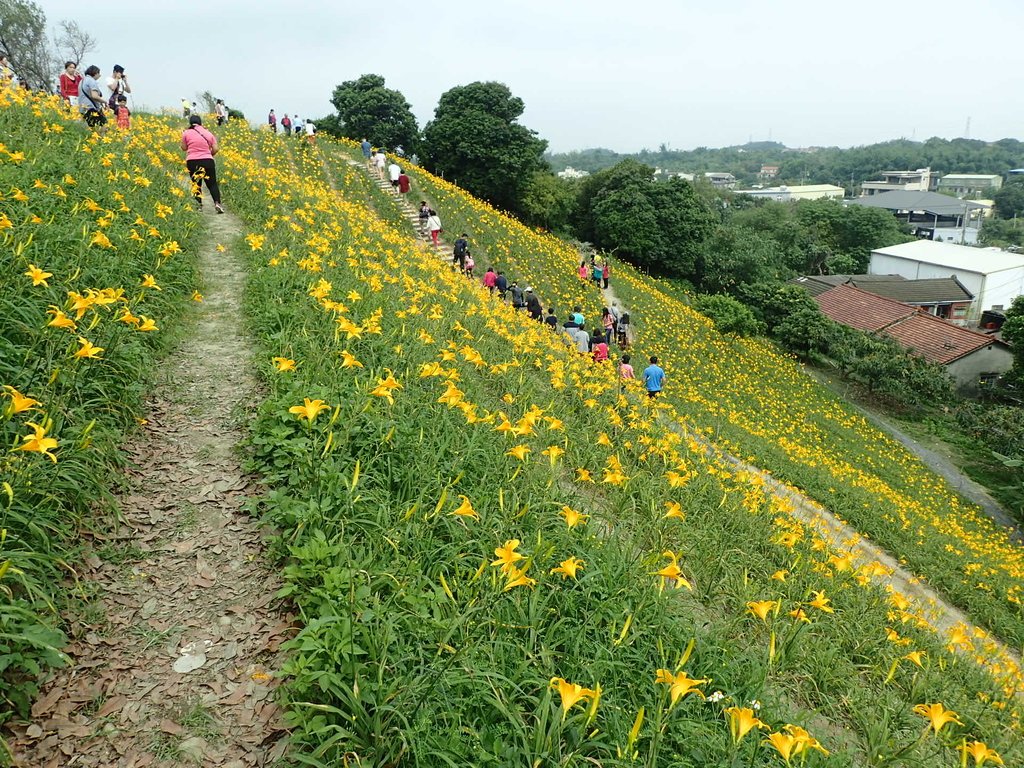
[{"x": 994, "y": 358}]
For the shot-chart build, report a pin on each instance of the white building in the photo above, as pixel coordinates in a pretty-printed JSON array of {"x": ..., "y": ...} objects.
[
  {"x": 892, "y": 181},
  {"x": 970, "y": 184},
  {"x": 572, "y": 173},
  {"x": 800, "y": 192},
  {"x": 995, "y": 277},
  {"x": 720, "y": 179}
]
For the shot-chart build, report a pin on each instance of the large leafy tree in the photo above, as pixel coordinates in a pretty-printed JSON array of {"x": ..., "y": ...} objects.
[
  {"x": 659, "y": 225},
  {"x": 475, "y": 141},
  {"x": 366, "y": 109},
  {"x": 23, "y": 37}
]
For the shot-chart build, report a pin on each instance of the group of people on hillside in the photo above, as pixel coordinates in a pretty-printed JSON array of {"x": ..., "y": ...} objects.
[
  {"x": 376, "y": 160},
  {"x": 220, "y": 110},
  {"x": 83, "y": 90},
  {"x": 613, "y": 324},
  {"x": 292, "y": 125},
  {"x": 600, "y": 274}
]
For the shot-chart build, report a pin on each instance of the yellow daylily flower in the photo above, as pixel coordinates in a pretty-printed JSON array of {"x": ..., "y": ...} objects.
[
  {"x": 568, "y": 567},
  {"x": 784, "y": 743},
  {"x": 309, "y": 409},
  {"x": 348, "y": 360},
  {"x": 19, "y": 402},
  {"x": 38, "y": 442},
  {"x": 937, "y": 715},
  {"x": 674, "y": 511},
  {"x": 466, "y": 509},
  {"x": 762, "y": 608},
  {"x": 506, "y": 554},
  {"x": 680, "y": 685},
  {"x": 87, "y": 349},
  {"x": 980, "y": 752},
  {"x": 148, "y": 281},
  {"x": 584, "y": 476},
  {"x": 517, "y": 578},
  {"x": 519, "y": 452},
  {"x": 146, "y": 324},
  {"x": 741, "y": 721},
  {"x": 572, "y": 517},
  {"x": 38, "y": 276},
  {"x": 570, "y": 693},
  {"x": 284, "y": 364},
  {"x": 60, "y": 320},
  {"x": 821, "y": 602}
]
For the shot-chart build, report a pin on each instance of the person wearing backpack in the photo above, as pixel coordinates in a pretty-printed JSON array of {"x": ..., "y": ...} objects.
[
  {"x": 459, "y": 252},
  {"x": 117, "y": 84},
  {"x": 200, "y": 146},
  {"x": 286, "y": 123}
]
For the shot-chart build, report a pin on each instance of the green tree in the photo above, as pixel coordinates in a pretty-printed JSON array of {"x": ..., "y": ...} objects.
[
  {"x": 662, "y": 226},
  {"x": 1009, "y": 200},
  {"x": 729, "y": 315},
  {"x": 548, "y": 201},
  {"x": 475, "y": 141},
  {"x": 737, "y": 255},
  {"x": 1013, "y": 333},
  {"x": 23, "y": 37},
  {"x": 366, "y": 109}
]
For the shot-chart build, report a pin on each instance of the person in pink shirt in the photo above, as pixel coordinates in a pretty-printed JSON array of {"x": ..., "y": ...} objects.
[
  {"x": 625, "y": 369},
  {"x": 490, "y": 279},
  {"x": 200, "y": 146},
  {"x": 584, "y": 272},
  {"x": 598, "y": 348}
]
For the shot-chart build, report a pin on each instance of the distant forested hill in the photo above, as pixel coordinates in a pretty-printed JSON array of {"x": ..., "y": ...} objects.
[{"x": 816, "y": 165}]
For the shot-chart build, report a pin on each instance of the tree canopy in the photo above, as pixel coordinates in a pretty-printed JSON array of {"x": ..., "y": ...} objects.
[
  {"x": 476, "y": 141},
  {"x": 659, "y": 225},
  {"x": 366, "y": 109},
  {"x": 23, "y": 36}
]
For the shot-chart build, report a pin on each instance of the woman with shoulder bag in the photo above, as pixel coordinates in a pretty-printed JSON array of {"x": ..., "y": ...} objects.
[{"x": 200, "y": 146}]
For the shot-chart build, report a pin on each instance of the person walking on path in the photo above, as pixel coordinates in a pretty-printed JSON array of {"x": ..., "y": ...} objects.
[
  {"x": 286, "y": 124},
  {"x": 222, "y": 112},
  {"x": 460, "y": 251},
  {"x": 608, "y": 324},
  {"x": 310, "y": 131},
  {"x": 625, "y": 369},
  {"x": 90, "y": 98},
  {"x": 501, "y": 285},
  {"x": 70, "y": 80},
  {"x": 533, "y": 306},
  {"x": 582, "y": 340},
  {"x": 490, "y": 279},
  {"x": 117, "y": 84},
  {"x": 596, "y": 274},
  {"x": 598, "y": 347},
  {"x": 200, "y": 146},
  {"x": 433, "y": 224},
  {"x": 186, "y": 108},
  {"x": 379, "y": 161},
  {"x": 517, "y": 296},
  {"x": 272, "y": 121},
  {"x": 622, "y": 329},
  {"x": 606, "y": 272},
  {"x": 424, "y": 215},
  {"x": 367, "y": 151},
  {"x": 470, "y": 265},
  {"x": 654, "y": 378},
  {"x": 551, "y": 320},
  {"x": 394, "y": 171},
  {"x": 584, "y": 272},
  {"x": 404, "y": 182},
  {"x": 578, "y": 318}
]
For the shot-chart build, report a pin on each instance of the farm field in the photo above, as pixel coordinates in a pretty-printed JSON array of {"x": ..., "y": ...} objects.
[{"x": 500, "y": 554}]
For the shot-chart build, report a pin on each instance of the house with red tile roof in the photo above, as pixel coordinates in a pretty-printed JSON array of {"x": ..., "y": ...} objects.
[{"x": 968, "y": 356}]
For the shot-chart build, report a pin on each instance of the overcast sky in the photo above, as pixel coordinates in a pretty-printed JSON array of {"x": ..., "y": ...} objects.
[{"x": 623, "y": 74}]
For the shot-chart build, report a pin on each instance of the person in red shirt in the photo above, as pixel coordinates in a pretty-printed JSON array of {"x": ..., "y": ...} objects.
[
  {"x": 69, "y": 81},
  {"x": 124, "y": 116},
  {"x": 490, "y": 279},
  {"x": 598, "y": 348},
  {"x": 403, "y": 183}
]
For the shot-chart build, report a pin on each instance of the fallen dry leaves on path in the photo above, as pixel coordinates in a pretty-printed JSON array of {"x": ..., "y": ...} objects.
[{"x": 175, "y": 657}]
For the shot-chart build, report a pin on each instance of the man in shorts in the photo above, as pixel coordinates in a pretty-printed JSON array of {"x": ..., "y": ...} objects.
[{"x": 654, "y": 378}]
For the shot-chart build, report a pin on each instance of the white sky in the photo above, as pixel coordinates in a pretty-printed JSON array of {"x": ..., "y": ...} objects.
[{"x": 622, "y": 74}]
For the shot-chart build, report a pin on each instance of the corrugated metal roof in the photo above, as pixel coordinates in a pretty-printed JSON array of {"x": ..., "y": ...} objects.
[
  {"x": 911, "y": 200},
  {"x": 925, "y": 335},
  {"x": 936, "y": 290},
  {"x": 959, "y": 258}
]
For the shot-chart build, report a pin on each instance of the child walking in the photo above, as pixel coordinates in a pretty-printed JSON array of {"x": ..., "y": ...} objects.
[{"x": 124, "y": 116}]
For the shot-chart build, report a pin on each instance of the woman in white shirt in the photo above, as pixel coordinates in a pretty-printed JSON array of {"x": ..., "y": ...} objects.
[{"x": 434, "y": 225}]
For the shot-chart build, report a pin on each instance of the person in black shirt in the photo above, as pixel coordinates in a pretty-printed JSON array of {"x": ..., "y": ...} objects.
[
  {"x": 501, "y": 284},
  {"x": 533, "y": 305},
  {"x": 551, "y": 321}
]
